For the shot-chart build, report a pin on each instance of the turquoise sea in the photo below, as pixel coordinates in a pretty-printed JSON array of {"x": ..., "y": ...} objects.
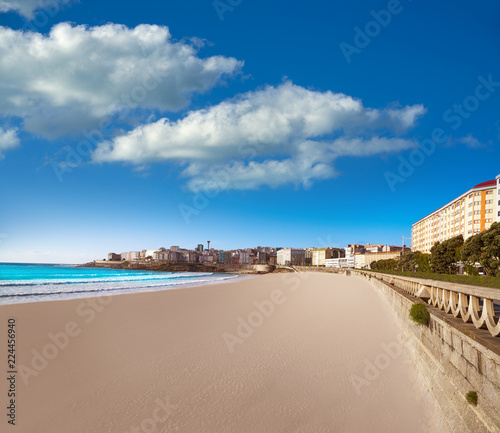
[{"x": 28, "y": 282}]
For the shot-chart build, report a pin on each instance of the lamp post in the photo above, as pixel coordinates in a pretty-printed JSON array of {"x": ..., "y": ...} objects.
[{"x": 403, "y": 249}]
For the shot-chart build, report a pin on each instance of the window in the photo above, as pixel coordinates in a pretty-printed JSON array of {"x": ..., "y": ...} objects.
[
  {"x": 489, "y": 210},
  {"x": 470, "y": 213},
  {"x": 489, "y": 192},
  {"x": 489, "y": 201},
  {"x": 477, "y": 193},
  {"x": 476, "y": 221},
  {"x": 470, "y": 204},
  {"x": 476, "y": 230},
  {"x": 477, "y": 203},
  {"x": 470, "y": 196},
  {"x": 470, "y": 231},
  {"x": 477, "y": 212}
]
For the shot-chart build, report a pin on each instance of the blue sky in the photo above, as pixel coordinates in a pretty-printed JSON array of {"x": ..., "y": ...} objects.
[{"x": 278, "y": 125}]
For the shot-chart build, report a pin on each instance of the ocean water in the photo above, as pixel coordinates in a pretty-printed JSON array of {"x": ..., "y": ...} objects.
[{"x": 22, "y": 282}]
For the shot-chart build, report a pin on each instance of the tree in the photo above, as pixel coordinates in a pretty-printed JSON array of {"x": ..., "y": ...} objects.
[
  {"x": 384, "y": 265},
  {"x": 423, "y": 262},
  {"x": 444, "y": 255},
  {"x": 414, "y": 261},
  {"x": 484, "y": 248},
  {"x": 408, "y": 262}
]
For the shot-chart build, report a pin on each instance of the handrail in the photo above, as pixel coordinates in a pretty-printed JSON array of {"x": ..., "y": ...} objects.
[{"x": 456, "y": 299}]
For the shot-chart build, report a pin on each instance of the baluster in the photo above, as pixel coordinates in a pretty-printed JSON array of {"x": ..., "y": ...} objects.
[
  {"x": 475, "y": 312},
  {"x": 489, "y": 317},
  {"x": 447, "y": 300},
  {"x": 455, "y": 310},
  {"x": 463, "y": 306}
]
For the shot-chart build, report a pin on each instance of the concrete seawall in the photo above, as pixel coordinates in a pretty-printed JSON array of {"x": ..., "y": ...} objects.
[
  {"x": 453, "y": 358},
  {"x": 319, "y": 269},
  {"x": 251, "y": 269}
]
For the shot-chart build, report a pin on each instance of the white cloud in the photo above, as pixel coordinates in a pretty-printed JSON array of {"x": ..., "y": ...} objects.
[
  {"x": 309, "y": 161},
  {"x": 275, "y": 136},
  {"x": 8, "y": 140},
  {"x": 76, "y": 75},
  {"x": 471, "y": 142},
  {"x": 28, "y": 7}
]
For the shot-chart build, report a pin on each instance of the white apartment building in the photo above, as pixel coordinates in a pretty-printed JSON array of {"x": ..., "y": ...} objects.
[
  {"x": 290, "y": 256},
  {"x": 130, "y": 256},
  {"x": 349, "y": 261}
]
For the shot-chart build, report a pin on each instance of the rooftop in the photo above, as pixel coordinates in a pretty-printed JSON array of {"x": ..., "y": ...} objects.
[{"x": 487, "y": 183}]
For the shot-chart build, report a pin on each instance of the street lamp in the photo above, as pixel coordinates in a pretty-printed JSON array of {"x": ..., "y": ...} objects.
[{"x": 403, "y": 249}]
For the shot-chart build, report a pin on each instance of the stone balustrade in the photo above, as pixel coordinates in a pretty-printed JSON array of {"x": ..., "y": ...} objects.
[{"x": 473, "y": 304}]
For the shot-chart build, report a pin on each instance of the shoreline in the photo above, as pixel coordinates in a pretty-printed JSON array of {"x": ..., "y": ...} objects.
[{"x": 118, "y": 291}]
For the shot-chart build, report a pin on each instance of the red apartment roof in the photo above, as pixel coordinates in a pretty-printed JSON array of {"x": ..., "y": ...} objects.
[
  {"x": 488, "y": 183},
  {"x": 480, "y": 185}
]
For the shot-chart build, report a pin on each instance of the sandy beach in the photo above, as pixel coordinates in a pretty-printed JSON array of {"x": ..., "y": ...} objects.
[{"x": 276, "y": 353}]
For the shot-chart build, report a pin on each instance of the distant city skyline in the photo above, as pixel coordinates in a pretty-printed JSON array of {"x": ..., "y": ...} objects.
[{"x": 276, "y": 124}]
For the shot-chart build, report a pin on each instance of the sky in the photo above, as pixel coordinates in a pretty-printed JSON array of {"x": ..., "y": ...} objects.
[{"x": 247, "y": 123}]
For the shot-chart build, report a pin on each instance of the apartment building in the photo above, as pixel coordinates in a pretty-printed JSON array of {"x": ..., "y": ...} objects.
[
  {"x": 350, "y": 260},
  {"x": 319, "y": 256},
  {"x": 472, "y": 212},
  {"x": 130, "y": 256},
  {"x": 290, "y": 256}
]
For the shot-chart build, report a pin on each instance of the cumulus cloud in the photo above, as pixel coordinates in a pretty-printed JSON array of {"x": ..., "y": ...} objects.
[
  {"x": 8, "y": 140},
  {"x": 274, "y": 136},
  {"x": 28, "y": 7},
  {"x": 76, "y": 75}
]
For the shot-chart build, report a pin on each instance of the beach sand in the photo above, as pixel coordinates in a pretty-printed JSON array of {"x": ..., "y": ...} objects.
[{"x": 188, "y": 361}]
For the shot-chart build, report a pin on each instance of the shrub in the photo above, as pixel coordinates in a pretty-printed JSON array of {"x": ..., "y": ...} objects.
[
  {"x": 480, "y": 280},
  {"x": 419, "y": 314},
  {"x": 471, "y": 397}
]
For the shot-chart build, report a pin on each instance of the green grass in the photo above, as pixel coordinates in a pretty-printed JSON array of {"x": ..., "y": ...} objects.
[
  {"x": 419, "y": 314},
  {"x": 471, "y": 397},
  {"x": 473, "y": 280}
]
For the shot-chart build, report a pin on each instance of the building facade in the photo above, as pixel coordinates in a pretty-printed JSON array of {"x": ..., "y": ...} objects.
[
  {"x": 369, "y": 258},
  {"x": 320, "y": 255},
  {"x": 472, "y": 212},
  {"x": 349, "y": 259},
  {"x": 290, "y": 256}
]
